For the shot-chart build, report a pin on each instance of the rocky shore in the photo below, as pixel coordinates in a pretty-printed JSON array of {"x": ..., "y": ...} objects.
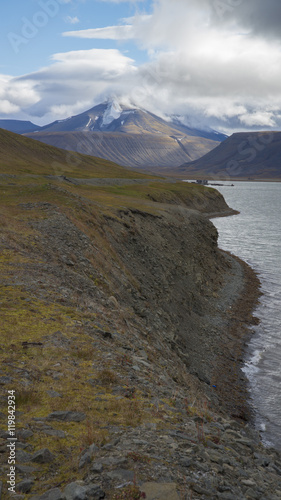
[{"x": 127, "y": 363}]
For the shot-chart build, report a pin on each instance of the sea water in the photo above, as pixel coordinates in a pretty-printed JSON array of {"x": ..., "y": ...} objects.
[{"x": 255, "y": 236}]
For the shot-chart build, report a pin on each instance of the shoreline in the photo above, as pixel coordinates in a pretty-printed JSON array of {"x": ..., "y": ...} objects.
[{"x": 233, "y": 393}]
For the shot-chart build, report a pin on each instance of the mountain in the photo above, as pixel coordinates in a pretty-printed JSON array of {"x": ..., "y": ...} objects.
[
  {"x": 129, "y": 136},
  {"x": 22, "y": 155},
  {"x": 18, "y": 126},
  {"x": 114, "y": 117},
  {"x": 255, "y": 155}
]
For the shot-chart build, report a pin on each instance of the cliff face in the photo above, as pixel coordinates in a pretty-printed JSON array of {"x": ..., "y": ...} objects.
[
  {"x": 115, "y": 329},
  {"x": 176, "y": 268}
]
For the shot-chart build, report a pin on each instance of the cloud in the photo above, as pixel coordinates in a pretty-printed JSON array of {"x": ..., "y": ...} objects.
[
  {"x": 72, "y": 20},
  {"x": 110, "y": 33},
  {"x": 260, "y": 18},
  {"x": 71, "y": 83},
  {"x": 217, "y": 61},
  {"x": 16, "y": 95},
  {"x": 258, "y": 118}
]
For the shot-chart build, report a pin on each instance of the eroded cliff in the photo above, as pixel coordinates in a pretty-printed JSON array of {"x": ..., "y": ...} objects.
[{"x": 115, "y": 336}]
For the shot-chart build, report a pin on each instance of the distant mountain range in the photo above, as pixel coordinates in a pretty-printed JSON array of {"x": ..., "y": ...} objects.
[
  {"x": 254, "y": 155},
  {"x": 129, "y": 136},
  {"x": 18, "y": 126}
]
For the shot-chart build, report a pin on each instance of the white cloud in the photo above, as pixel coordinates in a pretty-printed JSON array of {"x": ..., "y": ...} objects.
[
  {"x": 258, "y": 118},
  {"x": 6, "y": 107},
  {"x": 220, "y": 68},
  {"x": 16, "y": 95},
  {"x": 110, "y": 33},
  {"x": 72, "y": 20},
  {"x": 71, "y": 84}
]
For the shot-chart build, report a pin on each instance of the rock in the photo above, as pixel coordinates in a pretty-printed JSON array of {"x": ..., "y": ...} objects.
[
  {"x": 215, "y": 457},
  {"x": 94, "y": 492},
  {"x": 53, "y": 494},
  {"x": 112, "y": 301},
  {"x": 25, "y": 470},
  {"x": 25, "y": 485},
  {"x": 93, "y": 449},
  {"x": 227, "y": 496},
  {"x": 84, "y": 460},
  {"x": 43, "y": 456},
  {"x": 55, "y": 432},
  {"x": 67, "y": 416},
  {"x": 185, "y": 462},
  {"x": 160, "y": 491},
  {"x": 261, "y": 459},
  {"x": 251, "y": 493},
  {"x": 87, "y": 455},
  {"x": 111, "y": 461},
  {"x": 136, "y": 368},
  {"x": 121, "y": 475},
  {"x": 97, "y": 467},
  {"x": 23, "y": 446},
  {"x": 75, "y": 491},
  {"x": 201, "y": 491},
  {"x": 23, "y": 457},
  {"x": 248, "y": 482},
  {"x": 24, "y": 434},
  {"x": 1, "y": 486},
  {"x": 277, "y": 470}
]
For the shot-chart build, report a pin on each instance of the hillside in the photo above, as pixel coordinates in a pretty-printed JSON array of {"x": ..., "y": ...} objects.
[
  {"x": 255, "y": 155},
  {"x": 122, "y": 333},
  {"x": 129, "y": 136},
  {"x": 132, "y": 150},
  {"x": 21, "y": 155}
]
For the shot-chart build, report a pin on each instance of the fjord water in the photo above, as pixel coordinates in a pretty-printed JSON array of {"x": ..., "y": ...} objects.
[{"x": 255, "y": 236}]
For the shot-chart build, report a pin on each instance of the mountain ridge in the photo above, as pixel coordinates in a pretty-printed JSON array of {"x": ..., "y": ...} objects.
[
  {"x": 18, "y": 126},
  {"x": 111, "y": 116},
  {"x": 250, "y": 155}
]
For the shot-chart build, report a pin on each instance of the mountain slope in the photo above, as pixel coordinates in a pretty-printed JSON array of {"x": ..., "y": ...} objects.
[
  {"x": 134, "y": 150},
  {"x": 130, "y": 136},
  {"x": 243, "y": 155},
  {"x": 21, "y": 155}
]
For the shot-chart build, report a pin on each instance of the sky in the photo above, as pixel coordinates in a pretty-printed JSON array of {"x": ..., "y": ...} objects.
[{"x": 214, "y": 63}]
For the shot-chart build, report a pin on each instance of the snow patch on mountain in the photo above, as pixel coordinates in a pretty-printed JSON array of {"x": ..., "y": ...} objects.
[{"x": 113, "y": 112}]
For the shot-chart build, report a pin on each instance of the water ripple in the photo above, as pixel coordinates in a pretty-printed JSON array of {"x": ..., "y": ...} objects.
[{"x": 255, "y": 236}]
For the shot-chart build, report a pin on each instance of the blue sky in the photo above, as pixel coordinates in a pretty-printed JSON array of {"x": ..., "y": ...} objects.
[
  {"x": 215, "y": 63},
  {"x": 56, "y": 19}
]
